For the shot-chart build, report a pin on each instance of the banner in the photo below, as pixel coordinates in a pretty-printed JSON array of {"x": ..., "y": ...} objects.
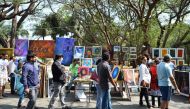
[
  {"x": 21, "y": 47},
  {"x": 42, "y": 48},
  {"x": 65, "y": 46}
]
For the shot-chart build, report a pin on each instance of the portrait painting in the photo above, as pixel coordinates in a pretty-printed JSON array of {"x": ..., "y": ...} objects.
[
  {"x": 87, "y": 62},
  {"x": 129, "y": 76},
  {"x": 21, "y": 47},
  {"x": 180, "y": 62},
  {"x": 83, "y": 71},
  {"x": 97, "y": 51},
  {"x": 79, "y": 52},
  {"x": 88, "y": 52}
]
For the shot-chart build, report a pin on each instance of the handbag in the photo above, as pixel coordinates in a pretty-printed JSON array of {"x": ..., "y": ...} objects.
[{"x": 94, "y": 76}]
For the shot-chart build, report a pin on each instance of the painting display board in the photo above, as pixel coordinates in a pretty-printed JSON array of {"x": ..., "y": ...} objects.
[
  {"x": 21, "y": 47},
  {"x": 9, "y": 51},
  {"x": 183, "y": 82},
  {"x": 42, "y": 48}
]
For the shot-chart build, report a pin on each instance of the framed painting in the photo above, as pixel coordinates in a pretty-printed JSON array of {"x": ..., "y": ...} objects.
[
  {"x": 115, "y": 72},
  {"x": 133, "y": 49},
  {"x": 79, "y": 52},
  {"x": 180, "y": 52},
  {"x": 180, "y": 62},
  {"x": 88, "y": 52},
  {"x": 97, "y": 51},
  {"x": 9, "y": 51},
  {"x": 133, "y": 56},
  {"x": 172, "y": 52},
  {"x": 87, "y": 62},
  {"x": 116, "y": 49},
  {"x": 125, "y": 49},
  {"x": 129, "y": 76},
  {"x": 155, "y": 52},
  {"x": 164, "y": 51},
  {"x": 174, "y": 62},
  {"x": 95, "y": 59},
  {"x": 83, "y": 71},
  {"x": 21, "y": 47}
]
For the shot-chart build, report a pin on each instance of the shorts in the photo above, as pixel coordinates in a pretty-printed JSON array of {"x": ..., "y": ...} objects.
[
  {"x": 2, "y": 81},
  {"x": 166, "y": 92}
]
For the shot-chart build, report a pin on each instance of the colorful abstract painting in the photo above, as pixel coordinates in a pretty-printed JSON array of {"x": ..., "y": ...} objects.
[
  {"x": 172, "y": 52},
  {"x": 65, "y": 47},
  {"x": 164, "y": 51},
  {"x": 97, "y": 51},
  {"x": 9, "y": 51},
  {"x": 156, "y": 52},
  {"x": 79, "y": 52},
  {"x": 88, "y": 52},
  {"x": 42, "y": 48},
  {"x": 180, "y": 52},
  {"x": 87, "y": 62},
  {"x": 21, "y": 47},
  {"x": 83, "y": 71},
  {"x": 115, "y": 72},
  {"x": 129, "y": 76}
]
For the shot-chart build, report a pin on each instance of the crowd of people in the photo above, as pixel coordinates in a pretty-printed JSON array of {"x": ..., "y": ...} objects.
[{"x": 155, "y": 79}]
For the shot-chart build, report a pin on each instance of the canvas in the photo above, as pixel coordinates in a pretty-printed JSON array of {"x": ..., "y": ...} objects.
[
  {"x": 116, "y": 49},
  {"x": 42, "y": 48},
  {"x": 83, "y": 71},
  {"x": 164, "y": 51},
  {"x": 21, "y": 47},
  {"x": 88, "y": 52},
  {"x": 180, "y": 52},
  {"x": 156, "y": 52},
  {"x": 97, "y": 51},
  {"x": 180, "y": 62},
  {"x": 129, "y": 76},
  {"x": 79, "y": 52},
  {"x": 172, "y": 52},
  {"x": 115, "y": 72},
  {"x": 87, "y": 62}
]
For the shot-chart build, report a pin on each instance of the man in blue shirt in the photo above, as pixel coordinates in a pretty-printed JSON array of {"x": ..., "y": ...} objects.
[
  {"x": 30, "y": 79},
  {"x": 165, "y": 81}
]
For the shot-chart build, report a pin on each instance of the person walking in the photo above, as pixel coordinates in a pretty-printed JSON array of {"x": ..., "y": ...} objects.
[
  {"x": 144, "y": 82},
  {"x": 104, "y": 73},
  {"x": 165, "y": 81},
  {"x": 30, "y": 79},
  {"x": 59, "y": 80}
]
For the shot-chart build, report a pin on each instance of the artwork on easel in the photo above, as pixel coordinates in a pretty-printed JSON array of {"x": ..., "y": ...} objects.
[
  {"x": 180, "y": 52},
  {"x": 125, "y": 49},
  {"x": 97, "y": 51},
  {"x": 156, "y": 52},
  {"x": 115, "y": 72},
  {"x": 133, "y": 49},
  {"x": 172, "y": 52},
  {"x": 79, "y": 52},
  {"x": 88, "y": 52},
  {"x": 174, "y": 62},
  {"x": 129, "y": 76},
  {"x": 164, "y": 51},
  {"x": 180, "y": 62},
  {"x": 87, "y": 62},
  {"x": 116, "y": 49}
]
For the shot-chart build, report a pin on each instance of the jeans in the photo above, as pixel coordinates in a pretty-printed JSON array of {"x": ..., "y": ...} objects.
[
  {"x": 33, "y": 94},
  {"x": 21, "y": 96},
  {"x": 59, "y": 90},
  {"x": 106, "y": 99},
  {"x": 98, "y": 97},
  {"x": 144, "y": 92}
]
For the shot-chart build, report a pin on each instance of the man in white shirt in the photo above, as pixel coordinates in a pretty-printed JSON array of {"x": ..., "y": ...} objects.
[{"x": 144, "y": 81}]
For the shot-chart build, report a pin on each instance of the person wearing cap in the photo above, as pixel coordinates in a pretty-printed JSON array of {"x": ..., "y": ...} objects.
[
  {"x": 59, "y": 80},
  {"x": 165, "y": 81},
  {"x": 104, "y": 74},
  {"x": 30, "y": 79}
]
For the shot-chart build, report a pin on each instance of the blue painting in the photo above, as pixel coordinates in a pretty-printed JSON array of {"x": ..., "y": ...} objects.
[
  {"x": 79, "y": 52},
  {"x": 87, "y": 62},
  {"x": 21, "y": 47},
  {"x": 65, "y": 46},
  {"x": 115, "y": 72}
]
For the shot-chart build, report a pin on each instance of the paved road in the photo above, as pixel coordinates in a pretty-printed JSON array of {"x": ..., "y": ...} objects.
[{"x": 177, "y": 102}]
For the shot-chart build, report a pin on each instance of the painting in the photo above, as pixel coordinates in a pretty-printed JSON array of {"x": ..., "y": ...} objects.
[
  {"x": 180, "y": 52},
  {"x": 116, "y": 49},
  {"x": 88, "y": 52},
  {"x": 174, "y": 62},
  {"x": 180, "y": 62},
  {"x": 97, "y": 51},
  {"x": 133, "y": 49},
  {"x": 164, "y": 51},
  {"x": 21, "y": 47},
  {"x": 9, "y": 51},
  {"x": 79, "y": 52},
  {"x": 65, "y": 47},
  {"x": 133, "y": 56},
  {"x": 125, "y": 49},
  {"x": 156, "y": 52},
  {"x": 129, "y": 76},
  {"x": 83, "y": 71},
  {"x": 172, "y": 52},
  {"x": 87, "y": 62},
  {"x": 95, "y": 59},
  {"x": 115, "y": 72},
  {"x": 42, "y": 48}
]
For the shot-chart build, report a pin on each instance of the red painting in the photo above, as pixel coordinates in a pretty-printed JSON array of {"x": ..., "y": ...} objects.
[
  {"x": 180, "y": 53},
  {"x": 42, "y": 48}
]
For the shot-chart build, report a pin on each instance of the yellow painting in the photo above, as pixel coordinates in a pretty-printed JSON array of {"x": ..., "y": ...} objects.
[
  {"x": 9, "y": 51},
  {"x": 164, "y": 51}
]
